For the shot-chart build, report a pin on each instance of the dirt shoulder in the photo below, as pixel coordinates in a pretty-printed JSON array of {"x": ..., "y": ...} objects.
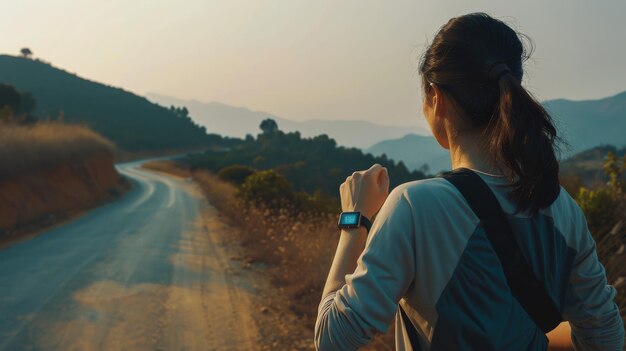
[{"x": 278, "y": 327}]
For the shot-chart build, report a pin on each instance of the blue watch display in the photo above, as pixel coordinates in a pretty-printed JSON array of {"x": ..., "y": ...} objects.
[{"x": 353, "y": 220}]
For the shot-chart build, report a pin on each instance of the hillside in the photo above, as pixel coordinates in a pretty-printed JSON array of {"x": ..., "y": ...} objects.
[
  {"x": 587, "y": 165},
  {"x": 132, "y": 122},
  {"x": 239, "y": 121},
  {"x": 415, "y": 151}
]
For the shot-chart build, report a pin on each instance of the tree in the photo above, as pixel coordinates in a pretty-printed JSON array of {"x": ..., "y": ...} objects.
[
  {"x": 269, "y": 126},
  {"x": 26, "y": 53},
  {"x": 27, "y": 103},
  {"x": 16, "y": 106},
  {"x": 266, "y": 188},
  {"x": 613, "y": 169},
  {"x": 9, "y": 97},
  {"x": 181, "y": 112},
  {"x": 184, "y": 112}
]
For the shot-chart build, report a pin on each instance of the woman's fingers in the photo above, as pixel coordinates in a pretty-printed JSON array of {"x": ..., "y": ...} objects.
[
  {"x": 375, "y": 166},
  {"x": 379, "y": 174},
  {"x": 365, "y": 191}
]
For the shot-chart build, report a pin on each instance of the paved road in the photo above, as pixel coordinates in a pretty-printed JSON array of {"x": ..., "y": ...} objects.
[{"x": 142, "y": 273}]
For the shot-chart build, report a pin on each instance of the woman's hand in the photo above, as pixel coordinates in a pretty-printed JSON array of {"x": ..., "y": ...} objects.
[{"x": 365, "y": 191}]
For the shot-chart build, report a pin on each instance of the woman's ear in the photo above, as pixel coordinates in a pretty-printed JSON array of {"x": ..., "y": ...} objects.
[{"x": 439, "y": 102}]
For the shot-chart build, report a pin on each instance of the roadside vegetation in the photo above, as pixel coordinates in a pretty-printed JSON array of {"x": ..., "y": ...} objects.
[
  {"x": 605, "y": 211},
  {"x": 296, "y": 246},
  {"x": 49, "y": 170}
]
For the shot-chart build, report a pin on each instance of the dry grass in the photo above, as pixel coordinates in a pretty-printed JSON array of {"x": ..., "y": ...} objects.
[
  {"x": 611, "y": 249},
  {"x": 297, "y": 249},
  {"x": 167, "y": 166},
  {"x": 49, "y": 172},
  {"x": 41, "y": 145}
]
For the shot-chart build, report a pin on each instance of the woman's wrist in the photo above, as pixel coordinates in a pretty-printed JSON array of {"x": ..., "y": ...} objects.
[{"x": 359, "y": 231}]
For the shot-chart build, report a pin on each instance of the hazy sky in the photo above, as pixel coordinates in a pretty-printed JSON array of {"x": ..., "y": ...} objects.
[{"x": 307, "y": 59}]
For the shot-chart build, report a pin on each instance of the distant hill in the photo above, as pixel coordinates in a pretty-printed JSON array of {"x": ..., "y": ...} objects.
[
  {"x": 583, "y": 124},
  {"x": 589, "y": 123},
  {"x": 587, "y": 165},
  {"x": 130, "y": 121},
  {"x": 238, "y": 121},
  {"x": 415, "y": 151}
]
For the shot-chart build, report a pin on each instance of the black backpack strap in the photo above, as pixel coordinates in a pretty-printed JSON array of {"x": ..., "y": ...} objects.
[
  {"x": 525, "y": 286},
  {"x": 410, "y": 330}
]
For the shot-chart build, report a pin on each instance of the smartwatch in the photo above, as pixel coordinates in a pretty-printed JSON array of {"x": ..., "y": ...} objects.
[{"x": 353, "y": 220}]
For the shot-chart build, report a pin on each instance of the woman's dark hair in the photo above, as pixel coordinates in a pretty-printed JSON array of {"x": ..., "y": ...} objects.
[{"x": 477, "y": 61}]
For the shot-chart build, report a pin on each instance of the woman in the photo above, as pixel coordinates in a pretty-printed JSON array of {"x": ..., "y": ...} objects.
[{"x": 427, "y": 250}]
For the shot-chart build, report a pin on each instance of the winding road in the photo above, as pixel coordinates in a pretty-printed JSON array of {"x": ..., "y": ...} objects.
[{"x": 146, "y": 272}]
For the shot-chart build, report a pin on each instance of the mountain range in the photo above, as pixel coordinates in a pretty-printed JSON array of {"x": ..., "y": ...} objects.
[
  {"x": 588, "y": 123},
  {"x": 581, "y": 124},
  {"x": 238, "y": 121}
]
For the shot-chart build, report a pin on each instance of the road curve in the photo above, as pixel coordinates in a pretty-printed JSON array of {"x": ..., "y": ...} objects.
[{"x": 142, "y": 273}]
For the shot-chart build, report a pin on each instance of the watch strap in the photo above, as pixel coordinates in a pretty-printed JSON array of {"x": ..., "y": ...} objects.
[{"x": 364, "y": 221}]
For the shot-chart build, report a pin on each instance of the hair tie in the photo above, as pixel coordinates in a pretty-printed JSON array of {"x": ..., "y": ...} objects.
[{"x": 497, "y": 70}]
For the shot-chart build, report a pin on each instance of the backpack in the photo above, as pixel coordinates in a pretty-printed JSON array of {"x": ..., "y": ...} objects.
[{"x": 525, "y": 286}]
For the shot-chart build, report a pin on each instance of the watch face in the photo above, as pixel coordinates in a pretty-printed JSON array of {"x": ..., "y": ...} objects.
[{"x": 349, "y": 218}]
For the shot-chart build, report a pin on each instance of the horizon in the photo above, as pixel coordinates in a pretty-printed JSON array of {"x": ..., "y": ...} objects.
[
  {"x": 152, "y": 93},
  {"x": 277, "y": 57},
  {"x": 420, "y": 129}
]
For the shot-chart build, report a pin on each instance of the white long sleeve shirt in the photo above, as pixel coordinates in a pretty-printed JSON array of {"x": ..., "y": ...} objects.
[{"x": 428, "y": 252}]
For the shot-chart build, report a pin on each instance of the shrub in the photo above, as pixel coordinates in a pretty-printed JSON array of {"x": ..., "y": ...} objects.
[
  {"x": 603, "y": 206},
  {"x": 266, "y": 188},
  {"x": 318, "y": 202},
  {"x": 236, "y": 174},
  {"x": 600, "y": 207}
]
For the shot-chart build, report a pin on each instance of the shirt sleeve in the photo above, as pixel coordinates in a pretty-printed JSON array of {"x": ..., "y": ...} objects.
[
  {"x": 348, "y": 318},
  {"x": 589, "y": 307}
]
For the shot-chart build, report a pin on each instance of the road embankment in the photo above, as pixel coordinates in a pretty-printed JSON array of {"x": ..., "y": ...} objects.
[{"x": 50, "y": 172}]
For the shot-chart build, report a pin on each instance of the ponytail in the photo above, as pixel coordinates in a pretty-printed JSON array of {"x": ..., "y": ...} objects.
[{"x": 522, "y": 140}]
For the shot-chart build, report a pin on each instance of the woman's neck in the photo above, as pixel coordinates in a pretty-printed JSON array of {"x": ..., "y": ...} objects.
[{"x": 468, "y": 151}]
